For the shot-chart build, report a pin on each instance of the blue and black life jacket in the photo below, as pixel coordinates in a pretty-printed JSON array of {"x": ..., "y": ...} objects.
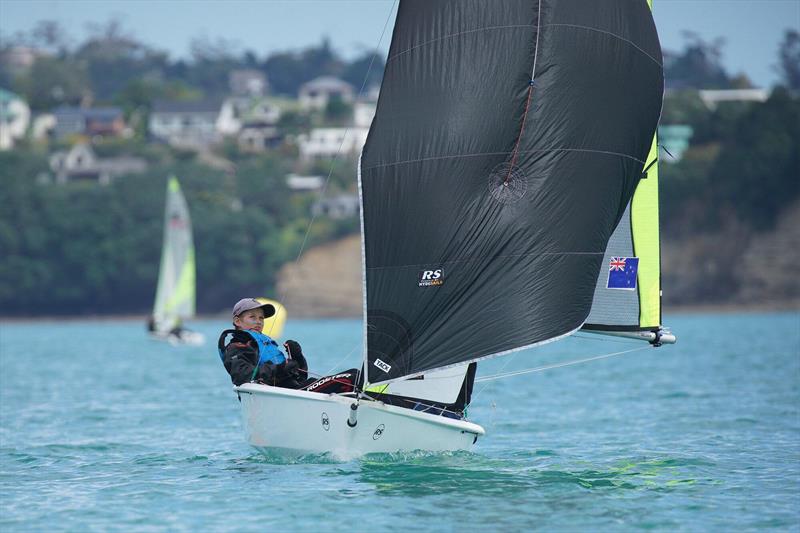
[{"x": 268, "y": 351}]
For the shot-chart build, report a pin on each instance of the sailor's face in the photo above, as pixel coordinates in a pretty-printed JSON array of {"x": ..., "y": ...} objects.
[{"x": 252, "y": 319}]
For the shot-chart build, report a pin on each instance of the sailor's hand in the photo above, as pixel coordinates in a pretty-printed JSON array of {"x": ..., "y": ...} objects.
[
  {"x": 292, "y": 368},
  {"x": 292, "y": 348}
]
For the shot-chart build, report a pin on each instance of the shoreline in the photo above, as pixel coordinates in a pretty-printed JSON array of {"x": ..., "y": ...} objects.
[{"x": 781, "y": 307}]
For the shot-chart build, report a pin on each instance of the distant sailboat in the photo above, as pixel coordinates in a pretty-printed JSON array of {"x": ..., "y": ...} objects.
[
  {"x": 175, "y": 295},
  {"x": 509, "y": 199}
]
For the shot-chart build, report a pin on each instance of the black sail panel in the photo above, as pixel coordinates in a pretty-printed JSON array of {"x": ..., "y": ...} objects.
[{"x": 488, "y": 199}]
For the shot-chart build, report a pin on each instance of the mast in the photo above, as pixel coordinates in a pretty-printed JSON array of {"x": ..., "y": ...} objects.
[{"x": 508, "y": 141}]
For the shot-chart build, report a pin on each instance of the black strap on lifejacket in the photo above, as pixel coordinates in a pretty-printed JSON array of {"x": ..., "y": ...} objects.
[{"x": 221, "y": 342}]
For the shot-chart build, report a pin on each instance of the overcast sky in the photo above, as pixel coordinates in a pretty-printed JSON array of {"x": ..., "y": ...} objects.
[{"x": 752, "y": 29}]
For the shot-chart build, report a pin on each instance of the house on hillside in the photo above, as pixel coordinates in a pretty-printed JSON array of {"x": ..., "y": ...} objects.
[
  {"x": 19, "y": 59},
  {"x": 337, "y": 207},
  {"x": 107, "y": 121},
  {"x": 315, "y": 94},
  {"x": 237, "y": 112},
  {"x": 248, "y": 82},
  {"x": 42, "y": 126},
  {"x": 674, "y": 138},
  {"x": 81, "y": 163},
  {"x": 328, "y": 143},
  {"x": 712, "y": 98},
  {"x": 257, "y": 137},
  {"x": 186, "y": 124},
  {"x": 305, "y": 183},
  {"x": 15, "y": 116},
  {"x": 363, "y": 113}
]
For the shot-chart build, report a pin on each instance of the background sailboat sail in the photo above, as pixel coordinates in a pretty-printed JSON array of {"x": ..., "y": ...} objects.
[
  {"x": 175, "y": 295},
  {"x": 508, "y": 140}
]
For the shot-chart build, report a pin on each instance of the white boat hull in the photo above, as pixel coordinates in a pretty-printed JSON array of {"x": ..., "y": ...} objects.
[
  {"x": 190, "y": 338},
  {"x": 291, "y": 422}
]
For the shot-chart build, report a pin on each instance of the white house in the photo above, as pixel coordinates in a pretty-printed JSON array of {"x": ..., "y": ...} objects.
[
  {"x": 81, "y": 163},
  {"x": 186, "y": 124},
  {"x": 248, "y": 82},
  {"x": 363, "y": 113},
  {"x": 15, "y": 116},
  {"x": 257, "y": 137},
  {"x": 712, "y": 98},
  {"x": 305, "y": 183},
  {"x": 327, "y": 143},
  {"x": 239, "y": 111},
  {"x": 43, "y": 125},
  {"x": 337, "y": 207},
  {"x": 316, "y": 93}
]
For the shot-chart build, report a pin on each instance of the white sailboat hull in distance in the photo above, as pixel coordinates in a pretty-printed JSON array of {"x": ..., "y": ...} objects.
[
  {"x": 189, "y": 338},
  {"x": 292, "y": 423}
]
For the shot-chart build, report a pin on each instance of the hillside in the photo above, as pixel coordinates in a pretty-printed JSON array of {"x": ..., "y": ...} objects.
[
  {"x": 754, "y": 270},
  {"x": 326, "y": 282}
]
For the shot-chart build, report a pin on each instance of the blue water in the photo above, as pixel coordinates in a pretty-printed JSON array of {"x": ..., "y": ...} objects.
[{"x": 105, "y": 430}]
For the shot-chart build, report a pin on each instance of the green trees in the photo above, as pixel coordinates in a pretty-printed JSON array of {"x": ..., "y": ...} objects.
[
  {"x": 789, "y": 59},
  {"x": 757, "y": 173},
  {"x": 83, "y": 248}
]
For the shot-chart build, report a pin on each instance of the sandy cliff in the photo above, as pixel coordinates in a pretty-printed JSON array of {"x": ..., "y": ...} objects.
[
  {"x": 734, "y": 268},
  {"x": 326, "y": 282}
]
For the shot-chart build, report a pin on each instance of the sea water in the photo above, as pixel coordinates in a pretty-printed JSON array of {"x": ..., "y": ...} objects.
[{"x": 104, "y": 429}]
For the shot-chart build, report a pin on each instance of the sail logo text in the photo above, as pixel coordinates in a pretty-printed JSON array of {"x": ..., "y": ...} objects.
[
  {"x": 383, "y": 366},
  {"x": 431, "y": 278}
]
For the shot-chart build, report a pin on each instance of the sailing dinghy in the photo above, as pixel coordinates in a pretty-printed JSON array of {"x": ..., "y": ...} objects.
[
  {"x": 175, "y": 294},
  {"x": 509, "y": 198}
]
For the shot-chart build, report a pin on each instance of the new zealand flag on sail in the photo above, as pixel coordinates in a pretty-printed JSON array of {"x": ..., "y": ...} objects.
[{"x": 622, "y": 273}]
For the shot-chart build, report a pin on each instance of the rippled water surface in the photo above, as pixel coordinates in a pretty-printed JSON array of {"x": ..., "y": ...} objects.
[{"x": 103, "y": 429}]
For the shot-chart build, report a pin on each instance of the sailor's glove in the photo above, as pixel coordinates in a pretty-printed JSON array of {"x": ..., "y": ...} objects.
[
  {"x": 293, "y": 369},
  {"x": 293, "y": 349},
  {"x": 266, "y": 374}
]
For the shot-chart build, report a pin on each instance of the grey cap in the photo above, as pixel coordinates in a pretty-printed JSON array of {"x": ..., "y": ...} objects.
[{"x": 246, "y": 304}]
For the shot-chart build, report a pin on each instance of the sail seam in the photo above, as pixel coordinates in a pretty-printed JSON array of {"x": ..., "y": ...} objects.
[
  {"x": 487, "y": 28},
  {"x": 469, "y": 259},
  {"x": 589, "y": 28},
  {"x": 480, "y": 154}
]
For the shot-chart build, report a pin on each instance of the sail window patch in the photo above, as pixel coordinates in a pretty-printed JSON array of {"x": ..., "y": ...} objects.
[
  {"x": 431, "y": 278},
  {"x": 622, "y": 273},
  {"x": 507, "y": 184}
]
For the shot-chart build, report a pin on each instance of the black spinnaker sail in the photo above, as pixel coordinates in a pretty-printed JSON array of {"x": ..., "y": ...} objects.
[{"x": 509, "y": 138}]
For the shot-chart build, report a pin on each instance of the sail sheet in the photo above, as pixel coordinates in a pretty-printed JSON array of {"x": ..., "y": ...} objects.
[
  {"x": 175, "y": 295},
  {"x": 508, "y": 140}
]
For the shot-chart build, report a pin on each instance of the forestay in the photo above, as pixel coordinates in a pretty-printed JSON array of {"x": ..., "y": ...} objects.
[{"x": 508, "y": 141}]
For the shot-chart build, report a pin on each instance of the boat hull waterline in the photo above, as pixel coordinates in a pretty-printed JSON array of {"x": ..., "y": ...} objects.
[
  {"x": 291, "y": 422},
  {"x": 188, "y": 338}
]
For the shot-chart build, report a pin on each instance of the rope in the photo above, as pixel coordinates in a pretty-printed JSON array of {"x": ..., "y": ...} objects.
[
  {"x": 334, "y": 367},
  {"x": 557, "y": 365},
  {"x": 285, "y": 292}
]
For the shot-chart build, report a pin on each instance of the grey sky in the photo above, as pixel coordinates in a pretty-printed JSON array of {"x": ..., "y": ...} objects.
[{"x": 752, "y": 29}]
